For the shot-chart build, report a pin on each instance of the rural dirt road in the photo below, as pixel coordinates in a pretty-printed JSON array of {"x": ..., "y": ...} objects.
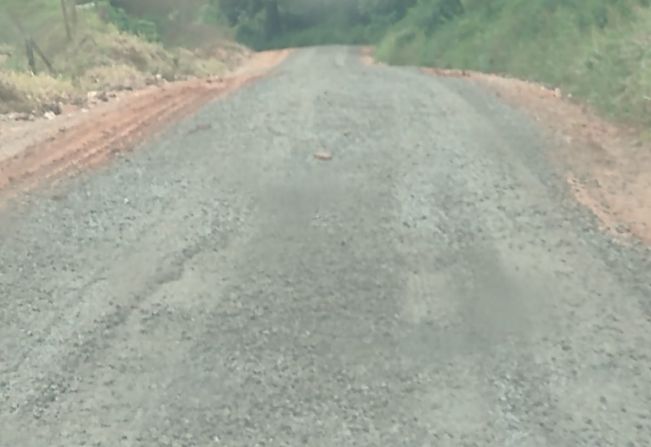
[{"x": 433, "y": 284}]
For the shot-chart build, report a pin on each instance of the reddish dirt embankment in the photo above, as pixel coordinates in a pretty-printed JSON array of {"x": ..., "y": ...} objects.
[
  {"x": 608, "y": 166},
  {"x": 32, "y": 153}
]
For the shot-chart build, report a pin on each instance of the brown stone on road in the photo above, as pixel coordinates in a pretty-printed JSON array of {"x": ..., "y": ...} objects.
[{"x": 323, "y": 155}]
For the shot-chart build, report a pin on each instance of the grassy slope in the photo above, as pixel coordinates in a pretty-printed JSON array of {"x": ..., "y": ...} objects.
[
  {"x": 99, "y": 57},
  {"x": 597, "y": 50}
]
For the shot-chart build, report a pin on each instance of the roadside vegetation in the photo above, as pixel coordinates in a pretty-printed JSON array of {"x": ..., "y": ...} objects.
[
  {"x": 595, "y": 50},
  {"x": 54, "y": 51},
  {"x": 266, "y": 24}
]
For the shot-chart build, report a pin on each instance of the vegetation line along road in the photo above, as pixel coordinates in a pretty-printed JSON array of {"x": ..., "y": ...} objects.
[
  {"x": 54, "y": 52},
  {"x": 596, "y": 50}
]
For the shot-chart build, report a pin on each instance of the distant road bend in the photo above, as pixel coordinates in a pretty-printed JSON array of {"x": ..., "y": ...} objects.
[{"x": 433, "y": 284}]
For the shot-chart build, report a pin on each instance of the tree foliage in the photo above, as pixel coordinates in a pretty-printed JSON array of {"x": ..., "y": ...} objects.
[{"x": 264, "y": 23}]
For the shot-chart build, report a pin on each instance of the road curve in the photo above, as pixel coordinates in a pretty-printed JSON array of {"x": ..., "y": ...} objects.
[{"x": 433, "y": 284}]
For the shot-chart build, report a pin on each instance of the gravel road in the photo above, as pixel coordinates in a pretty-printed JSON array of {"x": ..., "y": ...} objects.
[{"x": 434, "y": 284}]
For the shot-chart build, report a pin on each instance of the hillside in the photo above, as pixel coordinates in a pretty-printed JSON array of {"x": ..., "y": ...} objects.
[
  {"x": 46, "y": 60},
  {"x": 596, "y": 50}
]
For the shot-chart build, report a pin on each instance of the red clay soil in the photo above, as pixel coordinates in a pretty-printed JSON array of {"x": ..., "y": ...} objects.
[
  {"x": 608, "y": 166},
  {"x": 367, "y": 56},
  {"x": 35, "y": 153}
]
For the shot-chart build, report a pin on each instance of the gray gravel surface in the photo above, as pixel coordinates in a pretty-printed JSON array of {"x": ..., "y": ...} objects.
[{"x": 433, "y": 284}]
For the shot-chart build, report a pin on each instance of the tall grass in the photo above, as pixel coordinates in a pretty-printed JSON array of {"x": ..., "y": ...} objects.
[
  {"x": 598, "y": 50},
  {"x": 101, "y": 55}
]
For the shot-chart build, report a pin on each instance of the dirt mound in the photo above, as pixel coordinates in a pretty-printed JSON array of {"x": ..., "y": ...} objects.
[{"x": 37, "y": 152}]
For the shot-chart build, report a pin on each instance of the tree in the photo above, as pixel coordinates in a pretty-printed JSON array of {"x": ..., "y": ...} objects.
[
  {"x": 239, "y": 11},
  {"x": 66, "y": 18},
  {"x": 272, "y": 19},
  {"x": 31, "y": 47}
]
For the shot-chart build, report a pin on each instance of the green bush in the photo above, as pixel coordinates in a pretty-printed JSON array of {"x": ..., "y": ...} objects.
[
  {"x": 144, "y": 28},
  {"x": 598, "y": 50}
]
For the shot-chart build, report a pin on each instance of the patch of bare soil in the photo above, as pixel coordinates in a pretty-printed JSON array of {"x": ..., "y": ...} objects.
[
  {"x": 608, "y": 166},
  {"x": 366, "y": 54},
  {"x": 33, "y": 153}
]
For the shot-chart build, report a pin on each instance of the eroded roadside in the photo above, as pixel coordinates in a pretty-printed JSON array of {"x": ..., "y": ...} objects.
[
  {"x": 37, "y": 152},
  {"x": 607, "y": 166}
]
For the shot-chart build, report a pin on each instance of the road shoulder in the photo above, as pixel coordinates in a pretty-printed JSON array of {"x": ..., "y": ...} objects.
[
  {"x": 606, "y": 165},
  {"x": 34, "y": 153}
]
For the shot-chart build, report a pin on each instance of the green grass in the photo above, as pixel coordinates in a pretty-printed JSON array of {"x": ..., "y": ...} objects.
[
  {"x": 597, "y": 50},
  {"x": 99, "y": 56}
]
